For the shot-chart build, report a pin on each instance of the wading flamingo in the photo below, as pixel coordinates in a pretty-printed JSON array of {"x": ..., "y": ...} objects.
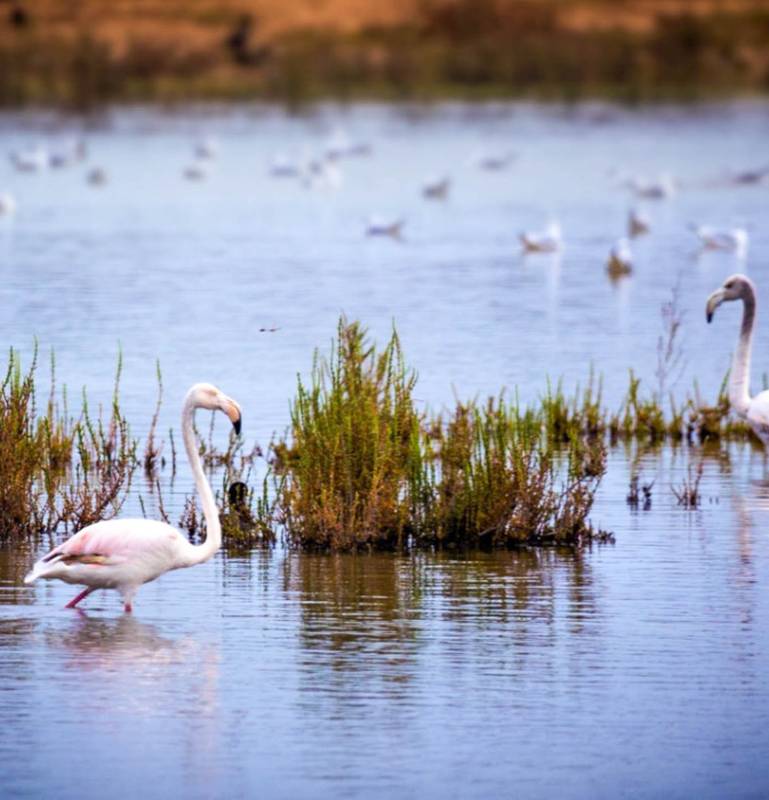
[
  {"x": 755, "y": 410},
  {"x": 123, "y": 554}
]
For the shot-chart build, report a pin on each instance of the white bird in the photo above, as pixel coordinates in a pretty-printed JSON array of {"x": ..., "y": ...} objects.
[
  {"x": 735, "y": 240},
  {"x": 548, "y": 240},
  {"x": 7, "y": 204},
  {"x": 638, "y": 223},
  {"x": 206, "y": 149},
  {"x": 754, "y": 410},
  {"x": 381, "y": 227},
  {"x": 437, "y": 188},
  {"x": 659, "y": 188},
  {"x": 34, "y": 160},
  {"x": 620, "y": 259},
  {"x": 124, "y": 554}
]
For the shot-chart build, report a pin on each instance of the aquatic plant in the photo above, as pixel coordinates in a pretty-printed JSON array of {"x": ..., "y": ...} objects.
[
  {"x": 361, "y": 467},
  {"x": 688, "y": 492},
  {"x": 58, "y": 472}
]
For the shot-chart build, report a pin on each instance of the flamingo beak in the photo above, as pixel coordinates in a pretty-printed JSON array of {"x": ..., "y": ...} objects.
[
  {"x": 232, "y": 410},
  {"x": 714, "y": 301}
]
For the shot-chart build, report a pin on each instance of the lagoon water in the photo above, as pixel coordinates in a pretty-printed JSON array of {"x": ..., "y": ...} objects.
[{"x": 638, "y": 669}]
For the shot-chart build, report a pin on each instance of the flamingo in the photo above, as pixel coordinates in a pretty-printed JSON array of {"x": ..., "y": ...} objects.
[
  {"x": 124, "y": 554},
  {"x": 754, "y": 410}
]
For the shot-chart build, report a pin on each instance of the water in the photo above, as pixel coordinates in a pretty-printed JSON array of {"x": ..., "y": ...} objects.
[{"x": 636, "y": 669}]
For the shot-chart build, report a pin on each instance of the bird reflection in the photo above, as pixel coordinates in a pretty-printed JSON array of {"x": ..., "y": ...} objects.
[{"x": 119, "y": 643}]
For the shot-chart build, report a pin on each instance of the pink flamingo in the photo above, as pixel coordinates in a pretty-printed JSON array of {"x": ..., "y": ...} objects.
[{"x": 124, "y": 554}]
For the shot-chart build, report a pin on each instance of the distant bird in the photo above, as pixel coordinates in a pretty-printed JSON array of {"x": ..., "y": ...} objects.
[
  {"x": 381, "y": 227},
  {"x": 195, "y": 172},
  {"x": 734, "y": 240},
  {"x": 206, "y": 149},
  {"x": 96, "y": 176},
  {"x": 494, "y": 162},
  {"x": 437, "y": 188},
  {"x": 638, "y": 223},
  {"x": 124, "y": 554},
  {"x": 750, "y": 177},
  {"x": 7, "y": 204},
  {"x": 659, "y": 188},
  {"x": 34, "y": 160},
  {"x": 548, "y": 240},
  {"x": 754, "y": 410},
  {"x": 620, "y": 259}
]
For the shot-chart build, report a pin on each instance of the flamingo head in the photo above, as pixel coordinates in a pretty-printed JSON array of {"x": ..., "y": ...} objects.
[
  {"x": 208, "y": 396},
  {"x": 735, "y": 287}
]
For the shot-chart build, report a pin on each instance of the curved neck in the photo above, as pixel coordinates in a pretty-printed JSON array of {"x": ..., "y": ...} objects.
[
  {"x": 739, "y": 379},
  {"x": 213, "y": 542}
]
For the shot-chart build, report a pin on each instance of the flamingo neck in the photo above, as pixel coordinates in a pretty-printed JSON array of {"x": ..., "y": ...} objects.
[
  {"x": 739, "y": 379},
  {"x": 204, "y": 551}
]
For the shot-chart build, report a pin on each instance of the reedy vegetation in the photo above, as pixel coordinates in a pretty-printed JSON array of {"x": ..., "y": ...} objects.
[
  {"x": 58, "y": 472},
  {"x": 361, "y": 465}
]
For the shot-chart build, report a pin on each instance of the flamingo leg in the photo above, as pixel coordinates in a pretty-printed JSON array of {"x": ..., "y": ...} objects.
[
  {"x": 127, "y": 607},
  {"x": 75, "y": 600}
]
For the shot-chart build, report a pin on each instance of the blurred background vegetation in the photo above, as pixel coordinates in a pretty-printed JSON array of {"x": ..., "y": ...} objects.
[{"x": 82, "y": 53}]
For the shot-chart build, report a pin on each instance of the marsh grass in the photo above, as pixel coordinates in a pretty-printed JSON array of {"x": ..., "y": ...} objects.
[
  {"x": 687, "y": 493},
  {"x": 362, "y": 467},
  {"x": 362, "y": 464},
  {"x": 58, "y": 472}
]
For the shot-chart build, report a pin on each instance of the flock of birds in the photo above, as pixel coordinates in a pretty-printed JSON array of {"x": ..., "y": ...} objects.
[
  {"x": 322, "y": 169},
  {"x": 124, "y": 554}
]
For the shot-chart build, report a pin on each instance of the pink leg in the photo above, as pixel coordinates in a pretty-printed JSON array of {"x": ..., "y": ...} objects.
[
  {"x": 127, "y": 607},
  {"x": 75, "y": 600}
]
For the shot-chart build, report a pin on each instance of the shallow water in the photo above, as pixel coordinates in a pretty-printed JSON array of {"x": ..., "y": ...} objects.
[{"x": 636, "y": 669}]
